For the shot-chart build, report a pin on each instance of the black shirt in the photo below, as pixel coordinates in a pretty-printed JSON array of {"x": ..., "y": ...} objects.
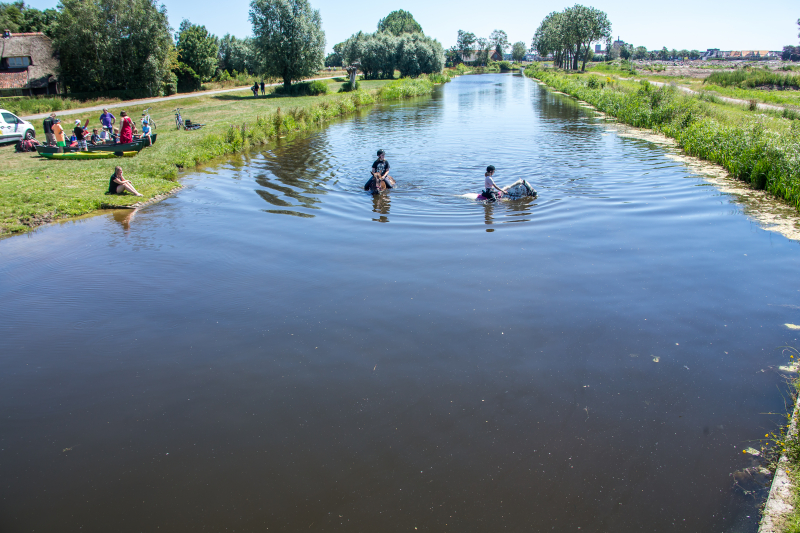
[
  {"x": 112, "y": 185},
  {"x": 48, "y": 125},
  {"x": 381, "y": 167},
  {"x": 78, "y": 131}
]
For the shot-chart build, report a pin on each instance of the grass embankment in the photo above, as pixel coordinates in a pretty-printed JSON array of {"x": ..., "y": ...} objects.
[
  {"x": 24, "y": 105},
  {"x": 34, "y": 190},
  {"x": 748, "y": 83},
  {"x": 761, "y": 150}
]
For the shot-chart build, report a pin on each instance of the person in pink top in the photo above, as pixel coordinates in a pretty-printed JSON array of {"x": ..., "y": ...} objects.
[
  {"x": 127, "y": 128},
  {"x": 489, "y": 183}
]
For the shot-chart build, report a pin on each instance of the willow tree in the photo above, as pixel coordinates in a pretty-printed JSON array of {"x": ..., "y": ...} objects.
[
  {"x": 399, "y": 22},
  {"x": 289, "y": 39},
  {"x": 380, "y": 53}
]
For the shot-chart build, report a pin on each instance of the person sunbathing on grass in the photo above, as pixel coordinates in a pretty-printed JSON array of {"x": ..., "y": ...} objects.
[{"x": 118, "y": 184}]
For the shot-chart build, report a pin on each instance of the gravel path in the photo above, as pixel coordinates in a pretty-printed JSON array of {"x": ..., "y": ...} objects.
[{"x": 129, "y": 103}]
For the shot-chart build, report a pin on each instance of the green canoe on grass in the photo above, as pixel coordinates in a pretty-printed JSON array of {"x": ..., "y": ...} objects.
[{"x": 81, "y": 156}]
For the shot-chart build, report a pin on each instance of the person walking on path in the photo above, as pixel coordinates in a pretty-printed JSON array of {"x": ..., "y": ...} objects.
[
  {"x": 255, "y": 89},
  {"x": 107, "y": 120},
  {"x": 58, "y": 133},
  {"x": 48, "y": 129},
  {"x": 118, "y": 184},
  {"x": 263, "y": 88},
  {"x": 127, "y": 130}
]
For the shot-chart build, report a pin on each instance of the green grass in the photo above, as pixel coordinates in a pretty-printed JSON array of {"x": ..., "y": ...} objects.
[
  {"x": 34, "y": 189},
  {"x": 23, "y": 106},
  {"x": 761, "y": 150},
  {"x": 752, "y": 78}
]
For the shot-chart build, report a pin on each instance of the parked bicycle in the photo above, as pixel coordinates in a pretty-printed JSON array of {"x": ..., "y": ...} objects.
[
  {"x": 178, "y": 118},
  {"x": 187, "y": 124},
  {"x": 146, "y": 118}
]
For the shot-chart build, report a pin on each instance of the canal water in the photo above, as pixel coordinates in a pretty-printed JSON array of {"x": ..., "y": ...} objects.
[{"x": 274, "y": 349}]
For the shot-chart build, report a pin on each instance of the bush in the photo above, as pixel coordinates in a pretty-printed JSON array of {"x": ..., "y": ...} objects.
[
  {"x": 440, "y": 77},
  {"x": 504, "y": 65},
  {"x": 346, "y": 88},
  {"x": 305, "y": 88}
]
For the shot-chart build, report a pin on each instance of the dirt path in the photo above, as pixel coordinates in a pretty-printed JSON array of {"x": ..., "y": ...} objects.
[
  {"x": 725, "y": 99},
  {"x": 128, "y": 103}
]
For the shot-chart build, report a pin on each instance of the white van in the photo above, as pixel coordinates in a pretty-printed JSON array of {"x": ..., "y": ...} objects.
[{"x": 13, "y": 128}]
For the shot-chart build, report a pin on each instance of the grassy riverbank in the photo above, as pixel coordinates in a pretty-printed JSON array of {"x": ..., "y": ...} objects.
[
  {"x": 34, "y": 190},
  {"x": 25, "y": 105},
  {"x": 759, "y": 149},
  {"x": 746, "y": 83}
]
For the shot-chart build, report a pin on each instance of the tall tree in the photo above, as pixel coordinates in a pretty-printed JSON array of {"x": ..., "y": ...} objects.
[
  {"x": 499, "y": 40},
  {"x": 289, "y": 38},
  {"x": 114, "y": 44},
  {"x": 398, "y": 22},
  {"x": 464, "y": 43},
  {"x": 18, "y": 17},
  {"x": 484, "y": 46},
  {"x": 198, "y": 49},
  {"x": 569, "y": 35},
  {"x": 518, "y": 51},
  {"x": 237, "y": 55}
]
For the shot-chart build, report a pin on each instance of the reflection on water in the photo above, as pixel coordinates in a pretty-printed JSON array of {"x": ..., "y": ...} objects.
[
  {"x": 124, "y": 217},
  {"x": 594, "y": 359},
  {"x": 381, "y": 204}
]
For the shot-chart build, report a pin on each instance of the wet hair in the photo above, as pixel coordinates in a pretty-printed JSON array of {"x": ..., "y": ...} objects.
[
  {"x": 123, "y": 114},
  {"x": 381, "y": 152},
  {"x": 490, "y": 168}
]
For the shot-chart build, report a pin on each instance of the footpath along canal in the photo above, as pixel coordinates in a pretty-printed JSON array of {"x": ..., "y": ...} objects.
[{"x": 273, "y": 348}]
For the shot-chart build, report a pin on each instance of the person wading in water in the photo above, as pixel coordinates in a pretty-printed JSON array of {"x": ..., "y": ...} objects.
[{"x": 380, "y": 180}]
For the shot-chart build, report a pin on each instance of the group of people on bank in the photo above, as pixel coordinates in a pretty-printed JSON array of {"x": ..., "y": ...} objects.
[{"x": 80, "y": 137}]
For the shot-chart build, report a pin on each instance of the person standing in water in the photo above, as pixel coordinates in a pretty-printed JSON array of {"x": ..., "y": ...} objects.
[
  {"x": 490, "y": 185},
  {"x": 380, "y": 179}
]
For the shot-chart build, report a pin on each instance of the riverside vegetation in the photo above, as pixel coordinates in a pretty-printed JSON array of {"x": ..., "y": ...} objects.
[
  {"x": 34, "y": 190},
  {"x": 757, "y": 148}
]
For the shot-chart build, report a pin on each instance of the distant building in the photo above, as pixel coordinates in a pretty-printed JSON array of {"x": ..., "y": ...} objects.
[
  {"x": 716, "y": 53},
  {"x": 473, "y": 56},
  {"x": 27, "y": 65},
  {"x": 598, "y": 48}
]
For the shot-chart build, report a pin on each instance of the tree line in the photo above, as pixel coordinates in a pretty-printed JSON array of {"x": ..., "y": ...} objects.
[
  {"x": 398, "y": 44},
  {"x": 568, "y": 35},
  {"x": 107, "y": 46}
]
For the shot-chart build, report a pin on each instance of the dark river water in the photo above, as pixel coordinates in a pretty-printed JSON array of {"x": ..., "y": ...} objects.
[{"x": 274, "y": 349}]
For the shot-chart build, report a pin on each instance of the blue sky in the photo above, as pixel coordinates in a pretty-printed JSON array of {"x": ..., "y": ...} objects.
[{"x": 731, "y": 25}]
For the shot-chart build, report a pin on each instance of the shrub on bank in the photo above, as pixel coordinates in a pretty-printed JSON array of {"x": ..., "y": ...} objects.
[
  {"x": 747, "y": 150},
  {"x": 304, "y": 88}
]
